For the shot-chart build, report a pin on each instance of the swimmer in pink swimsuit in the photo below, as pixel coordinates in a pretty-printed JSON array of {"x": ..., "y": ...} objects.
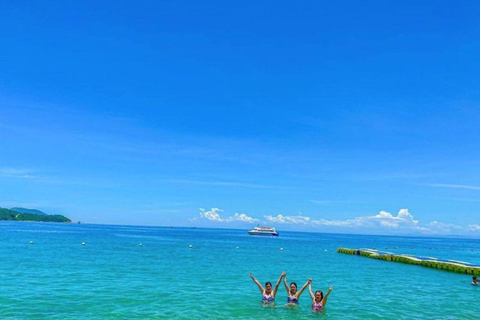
[
  {"x": 317, "y": 306},
  {"x": 318, "y": 300}
]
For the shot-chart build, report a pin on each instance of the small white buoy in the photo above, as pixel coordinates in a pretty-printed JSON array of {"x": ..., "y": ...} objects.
[
  {"x": 190, "y": 246},
  {"x": 140, "y": 245},
  {"x": 326, "y": 250},
  {"x": 83, "y": 243},
  {"x": 237, "y": 248},
  {"x": 281, "y": 249},
  {"x": 31, "y": 242}
]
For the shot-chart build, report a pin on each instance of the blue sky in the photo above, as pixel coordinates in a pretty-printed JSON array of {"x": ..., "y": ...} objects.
[{"x": 359, "y": 117}]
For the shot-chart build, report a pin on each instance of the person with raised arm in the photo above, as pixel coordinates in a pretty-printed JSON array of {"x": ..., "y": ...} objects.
[
  {"x": 293, "y": 294},
  {"x": 268, "y": 295},
  {"x": 318, "y": 300}
]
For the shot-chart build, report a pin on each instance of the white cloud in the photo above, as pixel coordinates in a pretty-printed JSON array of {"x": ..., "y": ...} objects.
[
  {"x": 402, "y": 219},
  {"x": 389, "y": 224},
  {"x": 279, "y": 218},
  {"x": 440, "y": 227},
  {"x": 213, "y": 215},
  {"x": 383, "y": 215},
  {"x": 242, "y": 217},
  {"x": 473, "y": 227},
  {"x": 383, "y": 220},
  {"x": 404, "y": 215},
  {"x": 357, "y": 222}
]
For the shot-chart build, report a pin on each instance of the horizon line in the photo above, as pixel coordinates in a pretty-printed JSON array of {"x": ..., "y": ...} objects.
[{"x": 453, "y": 236}]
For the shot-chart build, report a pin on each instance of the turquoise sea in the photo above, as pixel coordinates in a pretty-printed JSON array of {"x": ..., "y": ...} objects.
[{"x": 112, "y": 277}]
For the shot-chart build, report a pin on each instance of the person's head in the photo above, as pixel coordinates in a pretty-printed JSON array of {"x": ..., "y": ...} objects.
[
  {"x": 268, "y": 286},
  {"x": 474, "y": 278},
  {"x": 318, "y": 295},
  {"x": 293, "y": 288}
]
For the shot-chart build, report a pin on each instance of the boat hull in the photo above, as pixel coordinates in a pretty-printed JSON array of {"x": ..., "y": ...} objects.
[{"x": 265, "y": 234}]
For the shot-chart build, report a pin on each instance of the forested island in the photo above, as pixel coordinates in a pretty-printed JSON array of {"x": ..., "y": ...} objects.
[{"x": 22, "y": 214}]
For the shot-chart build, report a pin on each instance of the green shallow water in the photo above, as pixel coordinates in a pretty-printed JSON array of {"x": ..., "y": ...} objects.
[{"x": 112, "y": 277}]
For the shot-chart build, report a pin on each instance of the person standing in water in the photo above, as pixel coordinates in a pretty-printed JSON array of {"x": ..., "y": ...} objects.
[
  {"x": 268, "y": 295},
  {"x": 318, "y": 300},
  {"x": 293, "y": 294},
  {"x": 474, "y": 281}
]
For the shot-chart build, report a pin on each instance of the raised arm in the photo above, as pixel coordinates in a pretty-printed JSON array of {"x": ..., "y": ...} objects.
[
  {"x": 286, "y": 285},
  {"x": 299, "y": 293},
  {"x": 324, "y": 300},
  {"x": 257, "y": 283},
  {"x": 310, "y": 291},
  {"x": 278, "y": 283}
]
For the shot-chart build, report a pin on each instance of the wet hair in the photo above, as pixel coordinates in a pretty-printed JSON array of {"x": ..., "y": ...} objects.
[
  {"x": 294, "y": 284},
  {"x": 474, "y": 277},
  {"x": 268, "y": 282},
  {"x": 321, "y": 294}
]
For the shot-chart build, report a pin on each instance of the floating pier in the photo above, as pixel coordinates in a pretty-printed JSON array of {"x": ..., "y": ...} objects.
[{"x": 429, "y": 262}]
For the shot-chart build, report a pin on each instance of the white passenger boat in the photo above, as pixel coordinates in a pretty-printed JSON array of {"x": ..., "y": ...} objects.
[{"x": 263, "y": 231}]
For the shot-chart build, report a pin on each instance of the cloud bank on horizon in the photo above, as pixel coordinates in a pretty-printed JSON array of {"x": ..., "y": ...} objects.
[{"x": 383, "y": 222}]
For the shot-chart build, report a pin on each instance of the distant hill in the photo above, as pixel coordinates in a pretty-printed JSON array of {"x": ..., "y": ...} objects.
[
  {"x": 31, "y": 211},
  {"x": 13, "y": 215}
]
